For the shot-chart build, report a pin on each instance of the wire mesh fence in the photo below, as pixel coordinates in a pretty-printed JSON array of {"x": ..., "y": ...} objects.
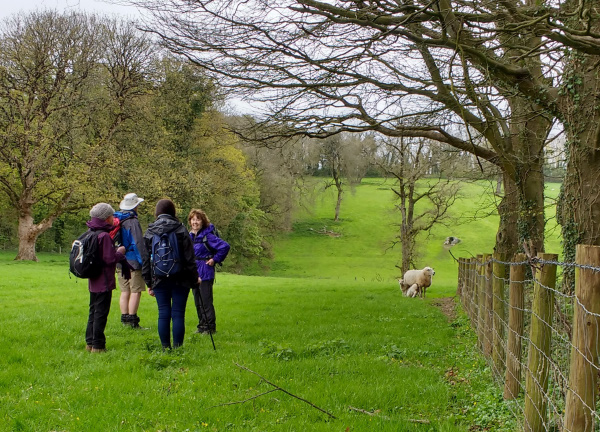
[{"x": 539, "y": 332}]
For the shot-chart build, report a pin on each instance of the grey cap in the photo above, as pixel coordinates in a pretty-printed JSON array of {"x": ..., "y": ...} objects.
[
  {"x": 130, "y": 201},
  {"x": 102, "y": 211}
]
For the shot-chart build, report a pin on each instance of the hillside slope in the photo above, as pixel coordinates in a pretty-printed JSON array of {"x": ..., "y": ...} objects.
[{"x": 367, "y": 228}]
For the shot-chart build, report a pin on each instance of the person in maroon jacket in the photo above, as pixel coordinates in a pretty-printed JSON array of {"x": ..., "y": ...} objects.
[{"x": 101, "y": 288}]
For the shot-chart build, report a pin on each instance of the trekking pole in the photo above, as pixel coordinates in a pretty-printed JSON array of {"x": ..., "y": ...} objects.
[{"x": 205, "y": 317}]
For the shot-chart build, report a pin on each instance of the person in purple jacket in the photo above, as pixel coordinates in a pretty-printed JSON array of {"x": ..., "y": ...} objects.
[
  {"x": 209, "y": 249},
  {"x": 101, "y": 288}
]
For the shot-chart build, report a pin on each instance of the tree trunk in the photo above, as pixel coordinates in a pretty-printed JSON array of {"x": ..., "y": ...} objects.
[
  {"x": 579, "y": 205},
  {"x": 506, "y": 237},
  {"x": 531, "y": 209},
  {"x": 580, "y": 201},
  {"x": 29, "y": 232},
  {"x": 339, "y": 202},
  {"x": 27, "y": 239},
  {"x": 499, "y": 184},
  {"x": 408, "y": 248},
  {"x": 528, "y": 129}
]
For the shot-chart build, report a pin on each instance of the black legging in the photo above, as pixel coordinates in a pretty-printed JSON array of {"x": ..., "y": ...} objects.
[{"x": 208, "y": 322}]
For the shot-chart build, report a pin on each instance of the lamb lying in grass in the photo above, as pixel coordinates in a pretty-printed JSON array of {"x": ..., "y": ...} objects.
[{"x": 420, "y": 278}]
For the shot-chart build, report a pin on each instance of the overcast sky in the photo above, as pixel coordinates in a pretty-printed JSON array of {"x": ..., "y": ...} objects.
[{"x": 10, "y": 7}]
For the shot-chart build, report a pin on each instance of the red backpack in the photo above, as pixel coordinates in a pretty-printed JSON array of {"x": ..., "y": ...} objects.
[{"x": 115, "y": 233}]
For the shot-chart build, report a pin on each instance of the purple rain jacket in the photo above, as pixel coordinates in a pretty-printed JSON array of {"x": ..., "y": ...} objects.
[
  {"x": 110, "y": 257},
  {"x": 217, "y": 250}
]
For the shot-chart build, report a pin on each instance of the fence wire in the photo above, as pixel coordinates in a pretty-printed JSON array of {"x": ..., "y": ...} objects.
[{"x": 530, "y": 354}]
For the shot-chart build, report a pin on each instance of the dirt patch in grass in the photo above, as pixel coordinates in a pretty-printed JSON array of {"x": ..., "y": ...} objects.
[{"x": 447, "y": 306}]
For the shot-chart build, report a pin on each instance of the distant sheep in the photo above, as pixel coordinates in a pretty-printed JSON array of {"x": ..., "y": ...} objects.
[
  {"x": 420, "y": 278},
  {"x": 451, "y": 241}
]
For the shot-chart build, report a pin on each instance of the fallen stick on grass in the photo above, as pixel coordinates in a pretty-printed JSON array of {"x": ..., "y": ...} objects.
[
  {"x": 277, "y": 388},
  {"x": 376, "y": 414},
  {"x": 243, "y": 401},
  {"x": 418, "y": 421},
  {"x": 371, "y": 413}
]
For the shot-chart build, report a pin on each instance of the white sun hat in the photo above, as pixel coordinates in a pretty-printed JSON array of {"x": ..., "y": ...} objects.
[{"x": 130, "y": 201}]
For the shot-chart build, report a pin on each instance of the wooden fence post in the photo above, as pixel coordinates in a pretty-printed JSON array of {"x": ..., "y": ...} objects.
[
  {"x": 487, "y": 306},
  {"x": 473, "y": 293},
  {"x": 467, "y": 287},
  {"x": 480, "y": 301},
  {"x": 583, "y": 376},
  {"x": 465, "y": 273},
  {"x": 460, "y": 278},
  {"x": 512, "y": 380},
  {"x": 464, "y": 289},
  {"x": 499, "y": 315},
  {"x": 540, "y": 334}
]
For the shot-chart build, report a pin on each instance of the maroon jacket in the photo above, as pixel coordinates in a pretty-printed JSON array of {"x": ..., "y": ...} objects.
[{"x": 110, "y": 257}]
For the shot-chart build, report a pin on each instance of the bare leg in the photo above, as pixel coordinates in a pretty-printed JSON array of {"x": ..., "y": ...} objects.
[
  {"x": 124, "y": 303},
  {"x": 134, "y": 303}
]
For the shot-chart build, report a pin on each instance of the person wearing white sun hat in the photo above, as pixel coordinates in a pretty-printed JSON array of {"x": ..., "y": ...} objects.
[{"x": 130, "y": 235}]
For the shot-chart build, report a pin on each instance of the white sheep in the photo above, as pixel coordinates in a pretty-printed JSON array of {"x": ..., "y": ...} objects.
[
  {"x": 402, "y": 287},
  {"x": 413, "y": 291},
  {"x": 421, "y": 278}
]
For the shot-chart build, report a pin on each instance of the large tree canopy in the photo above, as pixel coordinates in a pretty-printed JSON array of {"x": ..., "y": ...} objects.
[
  {"x": 66, "y": 83},
  {"x": 401, "y": 69}
]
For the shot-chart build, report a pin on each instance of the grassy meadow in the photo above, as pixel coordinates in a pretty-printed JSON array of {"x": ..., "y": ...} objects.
[
  {"x": 368, "y": 226},
  {"x": 327, "y": 324}
]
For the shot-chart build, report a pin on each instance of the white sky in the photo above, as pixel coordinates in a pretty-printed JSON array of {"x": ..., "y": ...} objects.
[{"x": 10, "y": 7}]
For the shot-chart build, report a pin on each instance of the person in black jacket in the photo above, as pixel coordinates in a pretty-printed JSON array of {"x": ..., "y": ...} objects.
[{"x": 171, "y": 291}]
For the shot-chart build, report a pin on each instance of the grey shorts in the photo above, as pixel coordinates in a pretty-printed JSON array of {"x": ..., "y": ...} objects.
[{"x": 134, "y": 285}]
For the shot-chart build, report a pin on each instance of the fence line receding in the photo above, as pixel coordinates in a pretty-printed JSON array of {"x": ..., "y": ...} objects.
[{"x": 539, "y": 334}]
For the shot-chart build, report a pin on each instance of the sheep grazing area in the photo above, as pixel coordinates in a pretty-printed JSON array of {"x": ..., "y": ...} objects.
[{"x": 324, "y": 342}]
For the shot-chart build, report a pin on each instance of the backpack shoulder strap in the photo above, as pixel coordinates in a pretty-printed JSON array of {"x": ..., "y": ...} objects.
[{"x": 205, "y": 242}]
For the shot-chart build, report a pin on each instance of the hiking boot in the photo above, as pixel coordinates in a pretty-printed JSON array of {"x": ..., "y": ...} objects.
[
  {"x": 88, "y": 348},
  {"x": 125, "y": 319},
  {"x": 202, "y": 330},
  {"x": 98, "y": 350},
  {"x": 134, "y": 321}
]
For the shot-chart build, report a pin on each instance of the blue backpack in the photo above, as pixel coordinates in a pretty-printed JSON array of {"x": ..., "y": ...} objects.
[
  {"x": 120, "y": 236},
  {"x": 165, "y": 255}
]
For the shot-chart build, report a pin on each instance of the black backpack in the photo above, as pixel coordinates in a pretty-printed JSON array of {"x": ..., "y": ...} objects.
[
  {"x": 85, "y": 261},
  {"x": 205, "y": 241},
  {"x": 165, "y": 255}
]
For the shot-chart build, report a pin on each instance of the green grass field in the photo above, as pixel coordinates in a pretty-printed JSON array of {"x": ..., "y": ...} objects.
[
  {"x": 328, "y": 325},
  {"x": 368, "y": 227}
]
